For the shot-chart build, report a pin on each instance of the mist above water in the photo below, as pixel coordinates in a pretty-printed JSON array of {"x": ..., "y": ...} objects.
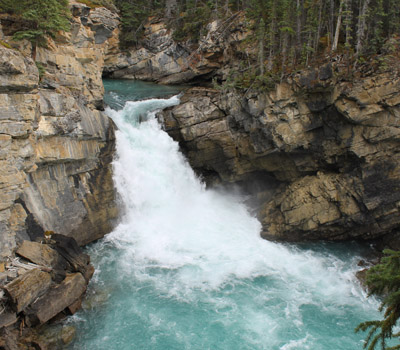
[{"x": 187, "y": 269}]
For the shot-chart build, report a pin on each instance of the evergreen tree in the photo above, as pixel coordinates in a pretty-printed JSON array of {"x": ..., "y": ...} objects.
[
  {"x": 134, "y": 13},
  {"x": 384, "y": 279},
  {"x": 294, "y": 33},
  {"x": 41, "y": 19}
]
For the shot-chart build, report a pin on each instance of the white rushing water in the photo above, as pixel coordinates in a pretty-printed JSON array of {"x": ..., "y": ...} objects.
[{"x": 186, "y": 268}]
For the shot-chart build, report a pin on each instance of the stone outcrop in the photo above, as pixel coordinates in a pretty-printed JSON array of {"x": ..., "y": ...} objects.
[
  {"x": 159, "y": 58},
  {"x": 56, "y": 144},
  {"x": 320, "y": 155},
  {"x": 48, "y": 279}
]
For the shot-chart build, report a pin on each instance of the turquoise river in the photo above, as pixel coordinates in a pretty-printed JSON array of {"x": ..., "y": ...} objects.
[{"x": 186, "y": 269}]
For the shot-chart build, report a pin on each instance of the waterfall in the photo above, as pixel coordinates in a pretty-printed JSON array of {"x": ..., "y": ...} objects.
[{"x": 186, "y": 267}]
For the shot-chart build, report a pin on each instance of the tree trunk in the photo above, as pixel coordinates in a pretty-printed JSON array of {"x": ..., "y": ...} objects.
[
  {"x": 317, "y": 37},
  {"x": 170, "y": 7},
  {"x": 338, "y": 24},
  {"x": 298, "y": 29},
  {"x": 284, "y": 53},
  {"x": 34, "y": 50},
  {"x": 348, "y": 20},
  {"x": 331, "y": 21},
  {"x": 261, "y": 57},
  {"x": 272, "y": 36},
  {"x": 361, "y": 26}
]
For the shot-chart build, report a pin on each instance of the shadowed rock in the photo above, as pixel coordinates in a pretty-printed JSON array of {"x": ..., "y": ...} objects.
[
  {"x": 331, "y": 147},
  {"x": 71, "y": 252}
]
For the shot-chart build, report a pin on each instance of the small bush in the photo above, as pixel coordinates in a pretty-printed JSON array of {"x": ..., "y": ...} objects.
[{"x": 252, "y": 80}]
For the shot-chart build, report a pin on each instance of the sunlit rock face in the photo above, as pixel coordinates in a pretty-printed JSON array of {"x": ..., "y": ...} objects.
[
  {"x": 320, "y": 155},
  {"x": 56, "y": 144}
]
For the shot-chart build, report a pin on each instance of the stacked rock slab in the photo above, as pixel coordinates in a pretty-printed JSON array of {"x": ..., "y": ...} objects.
[
  {"x": 321, "y": 155},
  {"x": 56, "y": 144},
  {"x": 51, "y": 278}
]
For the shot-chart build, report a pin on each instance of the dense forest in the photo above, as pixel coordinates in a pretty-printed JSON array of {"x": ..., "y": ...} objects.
[{"x": 288, "y": 33}]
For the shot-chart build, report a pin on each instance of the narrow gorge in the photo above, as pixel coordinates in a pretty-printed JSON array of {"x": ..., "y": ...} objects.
[{"x": 176, "y": 184}]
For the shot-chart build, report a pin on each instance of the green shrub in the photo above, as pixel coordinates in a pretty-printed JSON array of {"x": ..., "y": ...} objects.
[
  {"x": 384, "y": 280},
  {"x": 38, "y": 19},
  {"x": 41, "y": 69}
]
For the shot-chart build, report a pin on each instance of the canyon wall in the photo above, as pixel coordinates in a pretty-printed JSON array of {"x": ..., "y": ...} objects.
[
  {"x": 320, "y": 155},
  {"x": 56, "y": 144},
  {"x": 161, "y": 59}
]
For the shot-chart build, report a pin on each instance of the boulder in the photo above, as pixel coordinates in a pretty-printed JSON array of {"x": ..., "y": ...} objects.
[
  {"x": 41, "y": 254},
  {"x": 68, "y": 334},
  {"x": 24, "y": 289},
  {"x": 75, "y": 306},
  {"x": 57, "y": 299},
  {"x": 103, "y": 22}
]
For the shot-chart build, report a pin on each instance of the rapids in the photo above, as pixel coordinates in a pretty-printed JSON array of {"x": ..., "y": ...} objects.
[{"x": 186, "y": 268}]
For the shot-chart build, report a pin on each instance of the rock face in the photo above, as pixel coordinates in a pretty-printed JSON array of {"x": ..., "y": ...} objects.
[
  {"x": 321, "y": 155},
  {"x": 159, "y": 58},
  {"x": 56, "y": 144}
]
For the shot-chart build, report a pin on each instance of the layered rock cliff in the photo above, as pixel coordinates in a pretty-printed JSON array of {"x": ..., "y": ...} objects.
[
  {"x": 320, "y": 155},
  {"x": 56, "y": 144}
]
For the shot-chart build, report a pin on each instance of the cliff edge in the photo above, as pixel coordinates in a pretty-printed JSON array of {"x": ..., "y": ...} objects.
[{"x": 56, "y": 144}]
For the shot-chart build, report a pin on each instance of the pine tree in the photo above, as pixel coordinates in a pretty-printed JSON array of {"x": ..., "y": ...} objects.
[
  {"x": 134, "y": 13},
  {"x": 384, "y": 279},
  {"x": 41, "y": 19},
  {"x": 377, "y": 23}
]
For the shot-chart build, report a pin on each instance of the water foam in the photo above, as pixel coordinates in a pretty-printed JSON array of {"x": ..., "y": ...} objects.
[{"x": 172, "y": 222}]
